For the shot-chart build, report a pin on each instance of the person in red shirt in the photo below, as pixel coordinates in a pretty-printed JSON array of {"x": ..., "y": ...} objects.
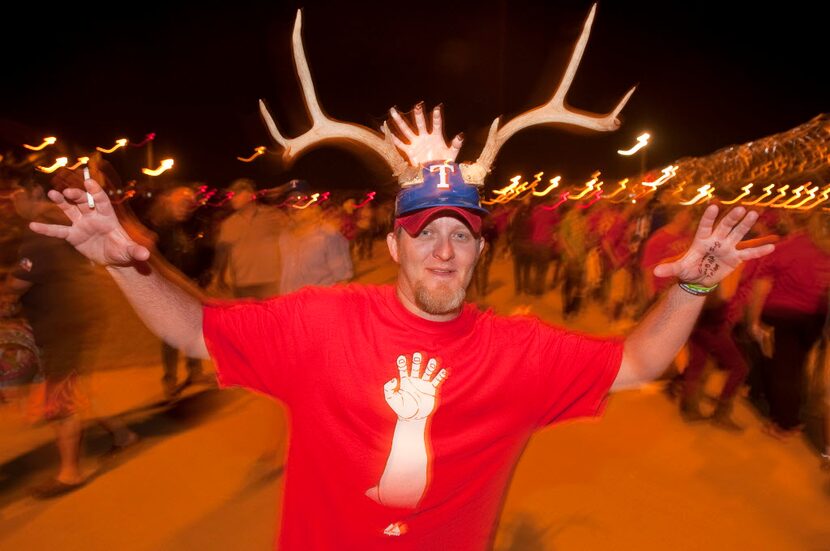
[
  {"x": 409, "y": 407},
  {"x": 786, "y": 315}
]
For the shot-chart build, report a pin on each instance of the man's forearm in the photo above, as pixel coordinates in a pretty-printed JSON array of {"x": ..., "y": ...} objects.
[
  {"x": 659, "y": 336},
  {"x": 169, "y": 306}
]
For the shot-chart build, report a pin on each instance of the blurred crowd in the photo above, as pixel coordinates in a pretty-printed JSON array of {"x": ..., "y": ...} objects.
[{"x": 766, "y": 327}]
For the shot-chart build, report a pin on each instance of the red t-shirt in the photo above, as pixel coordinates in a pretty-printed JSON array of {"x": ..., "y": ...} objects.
[
  {"x": 800, "y": 273},
  {"x": 327, "y": 354}
]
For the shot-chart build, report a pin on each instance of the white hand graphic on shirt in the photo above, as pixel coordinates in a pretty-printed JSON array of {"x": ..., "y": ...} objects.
[{"x": 412, "y": 397}]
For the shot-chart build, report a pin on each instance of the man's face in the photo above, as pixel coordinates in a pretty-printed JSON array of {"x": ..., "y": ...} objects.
[{"x": 435, "y": 266}]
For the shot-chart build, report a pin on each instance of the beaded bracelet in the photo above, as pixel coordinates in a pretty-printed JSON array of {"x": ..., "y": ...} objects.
[{"x": 697, "y": 290}]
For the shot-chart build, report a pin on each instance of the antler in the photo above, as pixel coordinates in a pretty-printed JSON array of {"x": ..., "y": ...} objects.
[
  {"x": 324, "y": 128},
  {"x": 554, "y": 111}
]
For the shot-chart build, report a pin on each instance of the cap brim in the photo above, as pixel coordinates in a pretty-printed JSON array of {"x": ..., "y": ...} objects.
[{"x": 415, "y": 222}]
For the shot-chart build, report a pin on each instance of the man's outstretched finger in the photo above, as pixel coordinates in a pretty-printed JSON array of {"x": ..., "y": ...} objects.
[
  {"x": 70, "y": 210},
  {"x": 707, "y": 222},
  {"x": 728, "y": 223},
  {"x": 743, "y": 227},
  {"x": 755, "y": 252},
  {"x": 102, "y": 201},
  {"x": 50, "y": 230}
]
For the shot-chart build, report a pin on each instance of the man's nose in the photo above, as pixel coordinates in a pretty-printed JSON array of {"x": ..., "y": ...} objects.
[{"x": 444, "y": 249}]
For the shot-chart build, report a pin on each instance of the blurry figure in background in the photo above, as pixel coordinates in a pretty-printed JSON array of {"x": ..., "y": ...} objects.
[
  {"x": 712, "y": 336},
  {"x": 179, "y": 238},
  {"x": 787, "y": 312},
  {"x": 617, "y": 256},
  {"x": 572, "y": 243},
  {"x": 56, "y": 285},
  {"x": 519, "y": 232},
  {"x": 824, "y": 365},
  {"x": 481, "y": 278},
  {"x": 384, "y": 218},
  {"x": 19, "y": 356},
  {"x": 312, "y": 249},
  {"x": 543, "y": 222},
  {"x": 348, "y": 224},
  {"x": 247, "y": 259},
  {"x": 364, "y": 223}
]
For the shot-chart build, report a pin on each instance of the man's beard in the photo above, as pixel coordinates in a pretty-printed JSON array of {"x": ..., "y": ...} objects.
[{"x": 442, "y": 300}]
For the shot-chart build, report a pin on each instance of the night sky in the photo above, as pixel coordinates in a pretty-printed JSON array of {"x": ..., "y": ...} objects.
[{"x": 707, "y": 77}]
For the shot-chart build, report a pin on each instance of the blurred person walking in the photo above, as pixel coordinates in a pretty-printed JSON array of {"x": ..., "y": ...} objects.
[
  {"x": 247, "y": 256},
  {"x": 179, "y": 238},
  {"x": 786, "y": 316},
  {"x": 56, "y": 286},
  {"x": 313, "y": 250}
]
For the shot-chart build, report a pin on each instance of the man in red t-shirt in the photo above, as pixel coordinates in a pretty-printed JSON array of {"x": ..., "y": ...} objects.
[{"x": 409, "y": 407}]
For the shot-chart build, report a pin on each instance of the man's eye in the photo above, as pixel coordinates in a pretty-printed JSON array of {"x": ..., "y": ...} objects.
[
  {"x": 425, "y": 233},
  {"x": 461, "y": 236}
]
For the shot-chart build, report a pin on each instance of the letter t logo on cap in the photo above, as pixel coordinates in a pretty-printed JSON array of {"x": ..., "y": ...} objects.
[{"x": 442, "y": 173}]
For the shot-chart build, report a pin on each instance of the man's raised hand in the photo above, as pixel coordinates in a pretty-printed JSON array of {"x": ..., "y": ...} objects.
[
  {"x": 715, "y": 251},
  {"x": 95, "y": 232}
]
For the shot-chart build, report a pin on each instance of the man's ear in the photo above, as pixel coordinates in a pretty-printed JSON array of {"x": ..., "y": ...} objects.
[
  {"x": 481, "y": 243},
  {"x": 392, "y": 243}
]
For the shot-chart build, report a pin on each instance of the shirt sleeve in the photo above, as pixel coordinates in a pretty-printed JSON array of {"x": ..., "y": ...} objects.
[
  {"x": 255, "y": 344},
  {"x": 577, "y": 374}
]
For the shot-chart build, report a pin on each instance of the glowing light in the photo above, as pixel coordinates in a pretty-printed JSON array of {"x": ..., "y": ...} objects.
[
  {"x": 782, "y": 192},
  {"x": 622, "y": 187},
  {"x": 46, "y": 141},
  {"x": 668, "y": 173},
  {"x": 767, "y": 193},
  {"x": 80, "y": 162},
  {"x": 824, "y": 196},
  {"x": 562, "y": 198},
  {"x": 703, "y": 192},
  {"x": 147, "y": 138},
  {"x": 59, "y": 162},
  {"x": 811, "y": 195},
  {"x": 509, "y": 188},
  {"x": 166, "y": 165},
  {"x": 121, "y": 142},
  {"x": 257, "y": 152},
  {"x": 369, "y": 197},
  {"x": 589, "y": 187},
  {"x": 642, "y": 141},
  {"x": 554, "y": 182},
  {"x": 796, "y": 195},
  {"x": 596, "y": 197},
  {"x": 745, "y": 192},
  {"x": 312, "y": 200},
  {"x": 129, "y": 195}
]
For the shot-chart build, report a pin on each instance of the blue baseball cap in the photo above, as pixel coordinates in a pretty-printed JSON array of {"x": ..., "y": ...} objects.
[{"x": 443, "y": 186}]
